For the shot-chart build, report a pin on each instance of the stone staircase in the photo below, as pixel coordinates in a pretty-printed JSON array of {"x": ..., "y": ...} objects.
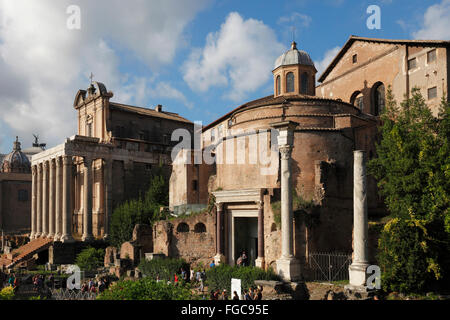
[{"x": 25, "y": 252}]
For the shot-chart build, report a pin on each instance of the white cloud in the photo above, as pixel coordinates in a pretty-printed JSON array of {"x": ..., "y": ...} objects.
[
  {"x": 436, "y": 23},
  {"x": 325, "y": 62},
  {"x": 239, "y": 56},
  {"x": 43, "y": 64},
  {"x": 297, "y": 19}
]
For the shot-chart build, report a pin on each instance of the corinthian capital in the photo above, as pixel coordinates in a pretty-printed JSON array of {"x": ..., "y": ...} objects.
[{"x": 286, "y": 152}]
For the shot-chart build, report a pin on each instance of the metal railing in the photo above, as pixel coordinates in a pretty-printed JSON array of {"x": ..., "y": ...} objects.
[
  {"x": 329, "y": 266},
  {"x": 66, "y": 294}
]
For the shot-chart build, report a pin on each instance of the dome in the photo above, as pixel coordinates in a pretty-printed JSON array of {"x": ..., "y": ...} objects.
[
  {"x": 294, "y": 56},
  {"x": 16, "y": 161}
]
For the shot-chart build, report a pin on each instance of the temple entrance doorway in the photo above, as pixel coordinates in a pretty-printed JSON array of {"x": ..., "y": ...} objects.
[{"x": 243, "y": 225}]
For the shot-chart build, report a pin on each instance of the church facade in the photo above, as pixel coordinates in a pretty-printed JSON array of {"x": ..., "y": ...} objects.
[{"x": 77, "y": 184}]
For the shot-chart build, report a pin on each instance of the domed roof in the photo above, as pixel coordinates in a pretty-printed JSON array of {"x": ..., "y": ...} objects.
[
  {"x": 294, "y": 56},
  {"x": 16, "y": 161}
]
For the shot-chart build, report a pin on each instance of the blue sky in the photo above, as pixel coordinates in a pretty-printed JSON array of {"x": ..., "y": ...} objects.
[{"x": 197, "y": 58}]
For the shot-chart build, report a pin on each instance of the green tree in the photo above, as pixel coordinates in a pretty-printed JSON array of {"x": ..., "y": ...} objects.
[
  {"x": 412, "y": 170},
  {"x": 141, "y": 210},
  {"x": 90, "y": 259}
]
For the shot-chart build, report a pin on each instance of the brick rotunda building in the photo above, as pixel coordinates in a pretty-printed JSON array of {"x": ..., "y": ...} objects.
[{"x": 292, "y": 134}]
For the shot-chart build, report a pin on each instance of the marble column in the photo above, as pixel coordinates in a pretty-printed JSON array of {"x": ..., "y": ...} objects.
[
  {"x": 357, "y": 269},
  {"x": 108, "y": 203},
  {"x": 67, "y": 214},
  {"x": 39, "y": 201},
  {"x": 260, "y": 261},
  {"x": 58, "y": 196},
  {"x": 288, "y": 266},
  {"x": 45, "y": 199},
  {"x": 33, "y": 201},
  {"x": 87, "y": 214},
  {"x": 51, "y": 205},
  {"x": 220, "y": 257}
]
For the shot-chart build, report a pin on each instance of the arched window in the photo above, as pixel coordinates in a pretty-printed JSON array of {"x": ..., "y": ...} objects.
[
  {"x": 200, "y": 228},
  {"x": 290, "y": 86},
  {"x": 278, "y": 84},
  {"x": 183, "y": 227},
  {"x": 357, "y": 100},
  {"x": 379, "y": 98},
  {"x": 304, "y": 79}
]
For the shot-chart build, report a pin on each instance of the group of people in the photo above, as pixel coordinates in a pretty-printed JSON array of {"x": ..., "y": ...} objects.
[
  {"x": 97, "y": 286},
  {"x": 11, "y": 281},
  {"x": 217, "y": 295},
  {"x": 242, "y": 261},
  {"x": 252, "y": 293}
]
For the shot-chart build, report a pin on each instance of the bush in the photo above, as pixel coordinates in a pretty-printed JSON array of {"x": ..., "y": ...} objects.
[
  {"x": 411, "y": 256},
  {"x": 144, "y": 210},
  {"x": 146, "y": 289},
  {"x": 164, "y": 268},
  {"x": 7, "y": 293},
  {"x": 219, "y": 278},
  {"x": 90, "y": 259}
]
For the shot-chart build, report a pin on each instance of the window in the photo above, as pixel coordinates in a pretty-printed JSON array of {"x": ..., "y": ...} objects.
[
  {"x": 304, "y": 83},
  {"x": 412, "y": 63},
  {"x": 213, "y": 135},
  {"x": 432, "y": 93},
  {"x": 357, "y": 100},
  {"x": 199, "y": 228},
  {"x": 194, "y": 185},
  {"x": 355, "y": 58},
  {"x": 220, "y": 133},
  {"x": 23, "y": 195},
  {"x": 278, "y": 84},
  {"x": 379, "y": 99},
  {"x": 290, "y": 86},
  {"x": 183, "y": 227},
  {"x": 431, "y": 56},
  {"x": 89, "y": 129}
]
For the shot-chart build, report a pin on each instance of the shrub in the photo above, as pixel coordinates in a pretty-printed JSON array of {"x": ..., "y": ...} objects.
[
  {"x": 7, "y": 293},
  {"x": 143, "y": 210},
  {"x": 410, "y": 255},
  {"x": 146, "y": 289},
  {"x": 90, "y": 259},
  {"x": 164, "y": 268},
  {"x": 219, "y": 278}
]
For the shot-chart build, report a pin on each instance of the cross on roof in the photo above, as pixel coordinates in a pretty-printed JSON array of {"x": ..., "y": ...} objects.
[{"x": 91, "y": 77}]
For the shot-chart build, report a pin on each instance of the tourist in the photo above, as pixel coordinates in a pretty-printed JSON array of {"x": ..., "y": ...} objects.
[
  {"x": 258, "y": 295},
  {"x": 239, "y": 261},
  {"x": 184, "y": 276},
  {"x": 251, "y": 292},
  {"x": 211, "y": 295},
  {"x": 175, "y": 279},
  {"x": 191, "y": 275},
  {"x": 235, "y": 296},
  {"x": 101, "y": 286},
  {"x": 202, "y": 286},
  {"x": 198, "y": 275},
  {"x": 247, "y": 295},
  {"x": 244, "y": 259},
  {"x": 11, "y": 280},
  {"x": 224, "y": 295},
  {"x": 212, "y": 264}
]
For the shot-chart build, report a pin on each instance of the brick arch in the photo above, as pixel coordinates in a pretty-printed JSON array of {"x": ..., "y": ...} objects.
[
  {"x": 200, "y": 228},
  {"x": 183, "y": 227}
]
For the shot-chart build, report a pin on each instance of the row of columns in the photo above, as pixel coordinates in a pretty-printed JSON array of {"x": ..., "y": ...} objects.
[{"x": 51, "y": 212}]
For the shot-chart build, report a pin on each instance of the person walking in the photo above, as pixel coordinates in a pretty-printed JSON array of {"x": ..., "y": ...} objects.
[{"x": 235, "y": 296}]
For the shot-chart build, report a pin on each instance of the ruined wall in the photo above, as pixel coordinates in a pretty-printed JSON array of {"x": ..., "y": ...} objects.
[{"x": 191, "y": 238}]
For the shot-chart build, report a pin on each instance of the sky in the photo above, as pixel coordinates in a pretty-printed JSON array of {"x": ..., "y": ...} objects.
[{"x": 198, "y": 58}]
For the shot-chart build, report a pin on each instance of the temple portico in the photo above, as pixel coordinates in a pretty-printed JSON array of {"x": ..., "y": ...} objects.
[{"x": 72, "y": 188}]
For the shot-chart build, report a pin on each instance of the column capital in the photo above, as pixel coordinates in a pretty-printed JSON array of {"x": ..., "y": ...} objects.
[
  {"x": 219, "y": 206},
  {"x": 285, "y": 151},
  {"x": 58, "y": 161},
  {"x": 45, "y": 165},
  {"x": 260, "y": 204},
  {"x": 52, "y": 164},
  {"x": 87, "y": 161},
  {"x": 39, "y": 168},
  {"x": 67, "y": 160},
  {"x": 34, "y": 170}
]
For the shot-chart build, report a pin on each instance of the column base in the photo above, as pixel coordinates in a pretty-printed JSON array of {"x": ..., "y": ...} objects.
[
  {"x": 51, "y": 236},
  {"x": 357, "y": 274},
  {"x": 32, "y": 235},
  {"x": 260, "y": 263},
  {"x": 219, "y": 259},
  {"x": 37, "y": 235},
  {"x": 44, "y": 235},
  {"x": 67, "y": 239},
  {"x": 57, "y": 237},
  {"x": 87, "y": 238},
  {"x": 289, "y": 269}
]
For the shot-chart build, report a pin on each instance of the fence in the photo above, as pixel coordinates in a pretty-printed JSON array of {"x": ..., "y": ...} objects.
[
  {"x": 329, "y": 266},
  {"x": 66, "y": 294}
]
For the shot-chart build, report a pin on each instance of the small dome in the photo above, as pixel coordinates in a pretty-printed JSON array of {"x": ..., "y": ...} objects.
[
  {"x": 16, "y": 161},
  {"x": 294, "y": 56}
]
